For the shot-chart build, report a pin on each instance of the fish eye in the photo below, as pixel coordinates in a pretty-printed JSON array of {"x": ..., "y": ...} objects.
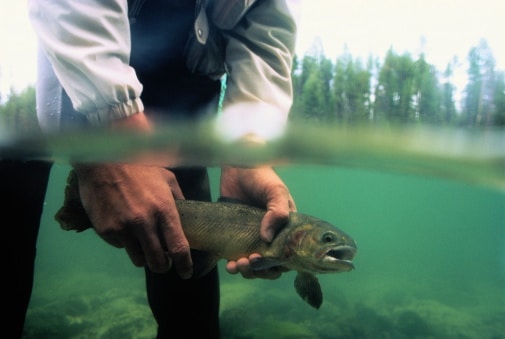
[{"x": 328, "y": 237}]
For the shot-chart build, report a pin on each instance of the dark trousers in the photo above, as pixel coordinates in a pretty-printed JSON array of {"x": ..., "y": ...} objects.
[
  {"x": 23, "y": 188},
  {"x": 158, "y": 39},
  {"x": 184, "y": 308},
  {"x": 175, "y": 302}
]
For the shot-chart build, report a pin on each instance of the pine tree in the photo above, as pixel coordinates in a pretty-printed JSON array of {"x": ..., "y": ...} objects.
[
  {"x": 351, "y": 90},
  {"x": 18, "y": 112},
  {"x": 448, "y": 107},
  {"x": 499, "y": 100},
  {"x": 426, "y": 92},
  {"x": 313, "y": 100},
  {"x": 394, "y": 90},
  {"x": 479, "y": 92}
]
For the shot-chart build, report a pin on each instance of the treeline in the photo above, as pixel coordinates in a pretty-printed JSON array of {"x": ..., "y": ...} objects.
[
  {"x": 351, "y": 91},
  {"x": 17, "y": 112},
  {"x": 400, "y": 89}
]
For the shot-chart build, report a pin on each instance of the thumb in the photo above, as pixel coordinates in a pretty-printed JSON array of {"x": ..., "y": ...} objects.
[{"x": 272, "y": 223}]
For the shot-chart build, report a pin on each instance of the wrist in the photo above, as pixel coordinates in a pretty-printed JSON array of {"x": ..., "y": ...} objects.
[
  {"x": 84, "y": 169},
  {"x": 135, "y": 122}
]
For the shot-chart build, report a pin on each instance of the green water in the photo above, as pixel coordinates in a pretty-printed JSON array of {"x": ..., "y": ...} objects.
[{"x": 430, "y": 264}]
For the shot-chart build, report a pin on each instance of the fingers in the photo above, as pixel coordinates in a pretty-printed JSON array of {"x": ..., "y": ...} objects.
[
  {"x": 174, "y": 186},
  {"x": 291, "y": 203},
  {"x": 240, "y": 266},
  {"x": 177, "y": 246},
  {"x": 137, "y": 212},
  {"x": 171, "y": 232},
  {"x": 156, "y": 244},
  {"x": 135, "y": 253},
  {"x": 243, "y": 267},
  {"x": 142, "y": 244},
  {"x": 261, "y": 187},
  {"x": 279, "y": 205}
]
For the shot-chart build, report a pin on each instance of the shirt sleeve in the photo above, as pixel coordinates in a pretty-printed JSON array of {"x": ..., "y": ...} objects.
[
  {"x": 259, "y": 56},
  {"x": 88, "y": 45}
]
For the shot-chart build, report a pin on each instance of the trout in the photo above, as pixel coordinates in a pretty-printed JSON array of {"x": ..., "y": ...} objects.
[{"x": 229, "y": 230}]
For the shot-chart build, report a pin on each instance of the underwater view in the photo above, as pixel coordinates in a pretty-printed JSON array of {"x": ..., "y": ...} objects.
[
  {"x": 396, "y": 135},
  {"x": 430, "y": 264}
]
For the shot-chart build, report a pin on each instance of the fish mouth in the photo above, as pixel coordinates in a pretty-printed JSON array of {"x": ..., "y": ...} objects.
[{"x": 341, "y": 256}]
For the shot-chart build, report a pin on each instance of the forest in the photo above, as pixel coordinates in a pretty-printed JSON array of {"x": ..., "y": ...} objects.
[{"x": 397, "y": 89}]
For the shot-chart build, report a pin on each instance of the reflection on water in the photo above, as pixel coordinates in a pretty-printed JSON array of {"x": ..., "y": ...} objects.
[
  {"x": 474, "y": 156},
  {"x": 431, "y": 264}
]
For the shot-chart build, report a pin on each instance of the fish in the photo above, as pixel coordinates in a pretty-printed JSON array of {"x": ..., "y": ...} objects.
[{"x": 231, "y": 230}]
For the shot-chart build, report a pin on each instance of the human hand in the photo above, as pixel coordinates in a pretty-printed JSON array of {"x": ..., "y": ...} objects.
[
  {"x": 260, "y": 187},
  {"x": 243, "y": 267},
  {"x": 133, "y": 207}
]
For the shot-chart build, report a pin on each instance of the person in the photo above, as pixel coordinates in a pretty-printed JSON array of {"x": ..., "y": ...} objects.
[{"x": 121, "y": 65}]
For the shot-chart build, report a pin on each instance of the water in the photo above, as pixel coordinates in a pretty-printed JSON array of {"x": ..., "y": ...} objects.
[
  {"x": 474, "y": 156},
  {"x": 430, "y": 264}
]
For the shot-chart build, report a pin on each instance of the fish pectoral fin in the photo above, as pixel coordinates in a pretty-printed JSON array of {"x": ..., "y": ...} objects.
[
  {"x": 263, "y": 263},
  {"x": 307, "y": 286},
  {"x": 203, "y": 262}
]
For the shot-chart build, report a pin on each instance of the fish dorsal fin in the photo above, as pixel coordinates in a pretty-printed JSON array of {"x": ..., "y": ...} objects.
[
  {"x": 307, "y": 286},
  {"x": 263, "y": 263},
  {"x": 203, "y": 262}
]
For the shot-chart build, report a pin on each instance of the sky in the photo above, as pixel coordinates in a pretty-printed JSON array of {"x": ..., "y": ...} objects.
[{"x": 449, "y": 28}]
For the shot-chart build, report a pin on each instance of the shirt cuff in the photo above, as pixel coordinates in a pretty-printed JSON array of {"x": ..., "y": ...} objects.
[{"x": 119, "y": 111}]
